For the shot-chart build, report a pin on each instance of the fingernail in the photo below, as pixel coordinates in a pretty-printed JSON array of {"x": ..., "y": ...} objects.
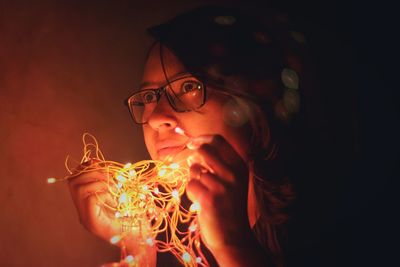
[
  {"x": 190, "y": 160},
  {"x": 196, "y": 142}
]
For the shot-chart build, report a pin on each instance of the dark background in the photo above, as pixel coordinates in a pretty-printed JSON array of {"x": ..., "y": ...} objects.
[{"x": 66, "y": 66}]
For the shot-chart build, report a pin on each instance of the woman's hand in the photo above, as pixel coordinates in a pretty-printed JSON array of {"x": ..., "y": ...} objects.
[
  {"x": 219, "y": 182},
  {"x": 88, "y": 191},
  {"x": 222, "y": 192},
  {"x": 91, "y": 197}
]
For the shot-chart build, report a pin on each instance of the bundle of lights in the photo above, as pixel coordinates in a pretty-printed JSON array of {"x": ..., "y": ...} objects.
[{"x": 148, "y": 202}]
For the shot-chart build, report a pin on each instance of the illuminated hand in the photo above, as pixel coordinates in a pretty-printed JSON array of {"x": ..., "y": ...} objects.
[
  {"x": 222, "y": 192},
  {"x": 88, "y": 191},
  {"x": 90, "y": 194}
]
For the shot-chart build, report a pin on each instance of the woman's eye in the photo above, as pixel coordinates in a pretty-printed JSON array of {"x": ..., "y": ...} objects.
[
  {"x": 148, "y": 97},
  {"x": 191, "y": 86}
]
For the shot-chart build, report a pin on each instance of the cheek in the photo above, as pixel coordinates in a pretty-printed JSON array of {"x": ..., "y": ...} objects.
[
  {"x": 208, "y": 121},
  {"x": 213, "y": 121},
  {"x": 147, "y": 134},
  {"x": 235, "y": 129}
]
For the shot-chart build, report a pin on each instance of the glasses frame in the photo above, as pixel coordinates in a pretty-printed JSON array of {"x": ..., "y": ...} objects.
[{"x": 159, "y": 92}]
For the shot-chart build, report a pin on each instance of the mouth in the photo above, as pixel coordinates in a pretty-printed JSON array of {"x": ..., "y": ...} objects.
[{"x": 170, "y": 151}]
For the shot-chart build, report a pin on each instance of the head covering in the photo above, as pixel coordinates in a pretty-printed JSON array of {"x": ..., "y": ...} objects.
[{"x": 227, "y": 48}]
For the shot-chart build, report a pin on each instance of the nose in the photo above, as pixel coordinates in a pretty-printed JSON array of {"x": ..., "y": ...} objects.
[{"x": 163, "y": 116}]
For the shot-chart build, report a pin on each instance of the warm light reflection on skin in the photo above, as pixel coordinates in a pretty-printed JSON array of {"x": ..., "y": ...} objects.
[{"x": 147, "y": 191}]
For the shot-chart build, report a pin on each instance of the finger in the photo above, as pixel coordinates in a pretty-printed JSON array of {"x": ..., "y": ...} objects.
[
  {"x": 89, "y": 165},
  {"x": 196, "y": 170},
  {"x": 213, "y": 182},
  {"x": 196, "y": 142},
  {"x": 100, "y": 203},
  {"x": 86, "y": 178},
  {"x": 82, "y": 193},
  {"x": 196, "y": 190},
  {"x": 210, "y": 156},
  {"x": 95, "y": 215},
  {"x": 82, "y": 166},
  {"x": 88, "y": 189}
]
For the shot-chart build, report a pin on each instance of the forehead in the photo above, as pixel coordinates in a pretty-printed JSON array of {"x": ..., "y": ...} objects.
[{"x": 161, "y": 65}]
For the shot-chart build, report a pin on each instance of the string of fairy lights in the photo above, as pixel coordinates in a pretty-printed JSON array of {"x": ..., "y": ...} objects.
[{"x": 148, "y": 196}]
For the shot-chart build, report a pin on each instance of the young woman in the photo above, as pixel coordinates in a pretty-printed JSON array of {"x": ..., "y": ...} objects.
[{"x": 232, "y": 84}]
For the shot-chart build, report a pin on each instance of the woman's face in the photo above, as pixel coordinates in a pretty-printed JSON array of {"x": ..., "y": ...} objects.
[{"x": 159, "y": 133}]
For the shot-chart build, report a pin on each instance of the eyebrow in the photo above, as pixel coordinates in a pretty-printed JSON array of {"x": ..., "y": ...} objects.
[{"x": 170, "y": 79}]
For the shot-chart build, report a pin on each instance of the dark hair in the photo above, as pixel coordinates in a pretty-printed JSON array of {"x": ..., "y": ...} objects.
[{"x": 258, "y": 62}]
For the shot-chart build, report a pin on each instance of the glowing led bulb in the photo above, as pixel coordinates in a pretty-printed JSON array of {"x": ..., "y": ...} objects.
[
  {"x": 179, "y": 131},
  {"x": 150, "y": 241},
  {"x": 121, "y": 178},
  {"x": 123, "y": 198},
  {"x": 198, "y": 260},
  {"x": 162, "y": 172},
  {"x": 132, "y": 173},
  {"x": 119, "y": 185},
  {"x": 175, "y": 194},
  {"x": 192, "y": 228},
  {"x": 145, "y": 188},
  {"x": 115, "y": 239},
  {"x": 117, "y": 214},
  {"x": 174, "y": 166},
  {"x": 156, "y": 191},
  {"x": 186, "y": 257},
  {"x": 51, "y": 180},
  {"x": 128, "y": 165},
  {"x": 195, "y": 206},
  {"x": 129, "y": 259}
]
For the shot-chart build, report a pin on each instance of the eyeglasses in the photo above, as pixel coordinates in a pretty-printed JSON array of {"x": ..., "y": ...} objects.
[{"x": 184, "y": 94}]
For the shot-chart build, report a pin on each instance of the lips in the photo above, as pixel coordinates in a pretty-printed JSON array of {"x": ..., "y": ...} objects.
[
  {"x": 162, "y": 153},
  {"x": 168, "y": 147}
]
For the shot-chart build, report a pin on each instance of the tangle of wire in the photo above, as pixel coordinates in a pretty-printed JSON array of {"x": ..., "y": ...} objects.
[{"x": 148, "y": 196}]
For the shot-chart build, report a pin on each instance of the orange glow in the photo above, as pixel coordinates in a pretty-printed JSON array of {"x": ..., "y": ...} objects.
[{"x": 148, "y": 191}]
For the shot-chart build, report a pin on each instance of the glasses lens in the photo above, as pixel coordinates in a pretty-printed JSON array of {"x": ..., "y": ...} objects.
[
  {"x": 142, "y": 104},
  {"x": 186, "y": 94}
]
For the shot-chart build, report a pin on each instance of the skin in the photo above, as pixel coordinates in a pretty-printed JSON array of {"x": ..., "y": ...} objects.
[
  {"x": 223, "y": 194},
  {"x": 206, "y": 121},
  {"x": 227, "y": 202}
]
